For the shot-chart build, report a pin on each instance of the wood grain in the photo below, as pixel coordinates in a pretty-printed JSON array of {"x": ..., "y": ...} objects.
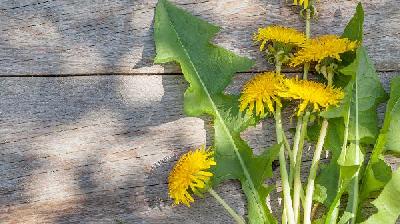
[
  {"x": 53, "y": 37},
  {"x": 98, "y": 149}
]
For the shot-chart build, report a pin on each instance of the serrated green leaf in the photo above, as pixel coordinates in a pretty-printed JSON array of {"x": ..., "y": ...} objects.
[
  {"x": 367, "y": 94},
  {"x": 185, "y": 39},
  {"x": 363, "y": 94},
  {"x": 371, "y": 95},
  {"x": 378, "y": 172},
  {"x": 388, "y": 204}
]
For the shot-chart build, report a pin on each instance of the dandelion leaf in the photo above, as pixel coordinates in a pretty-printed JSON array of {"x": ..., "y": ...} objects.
[
  {"x": 357, "y": 73},
  {"x": 387, "y": 203},
  {"x": 378, "y": 172},
  {"x": 185, "y": 39}
]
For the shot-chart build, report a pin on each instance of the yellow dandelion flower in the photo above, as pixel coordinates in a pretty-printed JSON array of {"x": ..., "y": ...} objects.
[
  {"x": 311, "y": 93},
  {"x": 327, "y": 46},
  {"x": 260, "y": 92},
  {"x": 279, "y": 34},
  {"x": 190, "y": 174},
  {"x": 302, "y": 2}
]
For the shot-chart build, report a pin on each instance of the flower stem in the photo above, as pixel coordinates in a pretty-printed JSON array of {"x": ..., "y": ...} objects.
[
  {"x": 313, "y": 172},
  {"x": 308, "y": 36},
  {"x": 334, "y": 211},
  {"x": 284, "y": 217},
  {"x": 297, "y": 171},
  {"x": 308, "y": 23},
  {"x": 239, "y": 219},
  {"x": 278, "y": 66},
  {"x": 355, "y": 184},
  {"x": 296, "y": 141},
  {"x": 306, "y": 69},
  {"x": 354, "y": 195},
  {"x": 282, "y": 164},
  {"x": 287, "y": 213},
  {"x": 301, "y": 129}
]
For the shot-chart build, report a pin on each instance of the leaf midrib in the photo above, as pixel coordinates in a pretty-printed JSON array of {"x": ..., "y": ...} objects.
[{"x": 218, "y": 115}]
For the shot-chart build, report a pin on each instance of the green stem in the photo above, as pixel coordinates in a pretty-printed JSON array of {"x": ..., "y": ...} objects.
[
  {"x": 355, "y": 180},
  {"x": 306, "y": 69},
  {"x": 330, "y": 78},
  {"x": 297, "y": 171},
  {"x": 335, "y": 213},
  {"x": 314, "y": 165},
  {"x": 282, "y": 164},
  {"x": 308, "y": 23},
  {"x": 239, "y": 219},
  {"x": 354, "y": 195},
  {"x": 298, "y": 144},
  {"x": 313, "y": 172},
  {"x": 308, "y": 36},
  {"x": 334, "y": 210},
  {"x": 296, "y": 141},
  {"x": 296, "y": 195},
  {"x": 284, "y": 217},
  {"x": 286, "y": 144},
  {"x": 281, "y": 138},
  {"x": 278, "y": 66},
  {"x": 346, "y": 131},
  {"x": 293, "y": 161}
]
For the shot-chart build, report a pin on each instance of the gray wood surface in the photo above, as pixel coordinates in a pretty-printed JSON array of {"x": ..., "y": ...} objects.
[
  {"x": 79, "y": 147},
  {"x": 42, "y": 37},
  {"x": 97, "y": 149}
]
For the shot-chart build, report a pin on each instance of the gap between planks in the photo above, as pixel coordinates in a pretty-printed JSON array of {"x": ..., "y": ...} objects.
[{"x": 147, "y": 74}]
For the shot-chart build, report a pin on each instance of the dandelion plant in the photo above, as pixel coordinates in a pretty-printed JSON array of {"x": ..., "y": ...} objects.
[{"x": 334, "y": 105}]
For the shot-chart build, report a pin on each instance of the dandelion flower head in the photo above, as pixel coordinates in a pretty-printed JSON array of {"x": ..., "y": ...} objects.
[
  {"x": 260, "y": 92},
  {"x": 279, "y": 34},
  {"x": 316, "y": 94},
  {"x": 190, "y": 174},
  {"x": 320, "y": 48}
]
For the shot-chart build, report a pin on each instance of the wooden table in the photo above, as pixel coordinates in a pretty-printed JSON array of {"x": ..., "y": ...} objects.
[{"x": 89, "y": 127}]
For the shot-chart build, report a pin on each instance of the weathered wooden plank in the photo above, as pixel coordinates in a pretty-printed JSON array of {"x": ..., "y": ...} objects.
[
  {"x": 41, "y": 37},
  {"x": 96, "y": 149}
]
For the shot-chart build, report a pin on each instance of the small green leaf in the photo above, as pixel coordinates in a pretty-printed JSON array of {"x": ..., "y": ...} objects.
[
  {"x": 388, "y": 203},
  {"x": 185, "y": 39}
]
